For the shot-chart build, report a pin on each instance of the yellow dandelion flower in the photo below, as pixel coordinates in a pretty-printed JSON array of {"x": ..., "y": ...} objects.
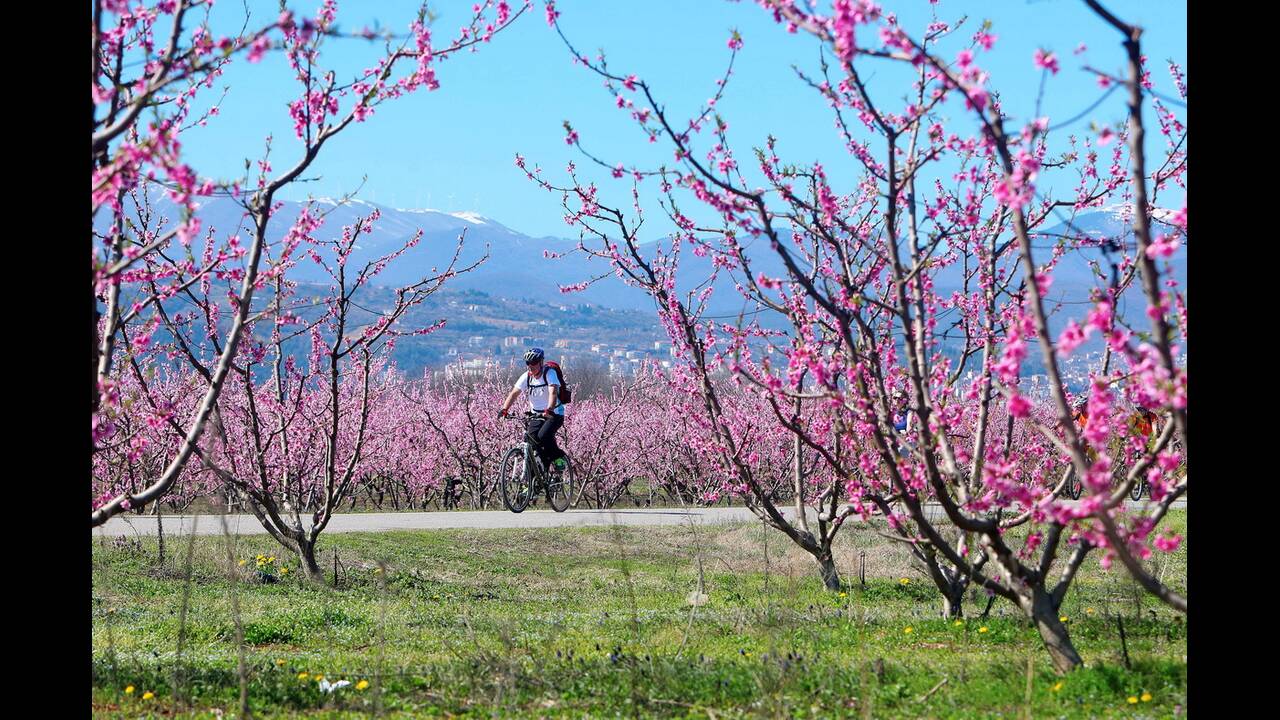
[
  {"x": 302, "y": 676},
  {"x": 1133, "y": 699},
  {"x": 905, "y": 581},
  {"x": 1146, "y": 697},
  {"x": 1057, "y": 686},
  {"x": 1063, "y": 619},
  {"x": 958, "y": 623},
  {"x": 148, "y": 695},
  {"x": 1088, "y": 611},
  {"x": 844, "y": 594},
  {"x": 362, "y": 685},
  {"x": 982, "y": 629},
  {"x": 241, "y": 563},
  {"x": 907, "y": 630},
  {"x": 284, "y": 570},
  {"x": 280, "y": 662},
  {"x": 128, "y": 690}
]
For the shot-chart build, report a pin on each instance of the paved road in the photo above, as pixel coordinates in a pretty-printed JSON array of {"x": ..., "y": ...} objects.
[{"x": 374, "y": 522}]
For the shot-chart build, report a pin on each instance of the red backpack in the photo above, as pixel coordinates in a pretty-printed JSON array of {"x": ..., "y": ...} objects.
[{"x": 566, "y": 395}]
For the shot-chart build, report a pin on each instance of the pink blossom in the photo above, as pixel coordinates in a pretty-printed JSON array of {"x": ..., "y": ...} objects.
[
  {"x": 1045, "y": 60},
  {"x": 1099, "y": 317},
  {"x": 1072, "y": 337},
  {"x": 1162, "y": 246},
  {"x": 1019, "y": 407},
  {"x": 1168, "y": 543},
  {"x": 976, "y": 98},
  {"x": 258, "y": 49}
]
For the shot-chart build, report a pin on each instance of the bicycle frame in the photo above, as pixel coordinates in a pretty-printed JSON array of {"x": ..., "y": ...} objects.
[{"x": 535, "y": 479}]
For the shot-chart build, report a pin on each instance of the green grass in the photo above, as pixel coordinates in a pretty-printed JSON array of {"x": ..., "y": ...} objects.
[{"x": 594, "y": 622}]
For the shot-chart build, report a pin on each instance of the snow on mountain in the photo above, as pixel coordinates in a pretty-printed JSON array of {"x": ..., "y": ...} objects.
[{"x": 469, "y": 217}]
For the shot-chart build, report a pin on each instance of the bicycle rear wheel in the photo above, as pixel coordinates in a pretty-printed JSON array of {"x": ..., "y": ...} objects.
[
  {"x": 516, "y": 490},
  {"x": 1074, "y": 486},
  {"x": 1135, "y": 492},
  {"x": 560, "y": 490}
]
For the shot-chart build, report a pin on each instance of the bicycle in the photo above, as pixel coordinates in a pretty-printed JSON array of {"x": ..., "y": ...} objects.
[
  {"x": 1074, "y": 487},
  {"x": 522, "y": 477}
]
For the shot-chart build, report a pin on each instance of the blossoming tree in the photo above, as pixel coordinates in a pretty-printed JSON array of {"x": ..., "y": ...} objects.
[
  {"x": 914, "y": 294},
  {"x": 299, "y": 442},
  {"x": 153, "y": 68}
]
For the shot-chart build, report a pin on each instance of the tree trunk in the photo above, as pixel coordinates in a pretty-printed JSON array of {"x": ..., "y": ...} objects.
[
  {"x": 307, "y": 556},
  {"x": 1054, "y": 634},
  {"x": 827, "y": 571}
]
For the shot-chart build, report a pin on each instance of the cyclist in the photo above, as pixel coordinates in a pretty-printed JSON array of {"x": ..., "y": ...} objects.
[
  {"x": 903, "y": 422},
  {"x": 1079, "y": 412},
  {"x": 541, "y": 387},
  {"x": 1080, "y": 416},
  {"x": 1141, "y": 422}
]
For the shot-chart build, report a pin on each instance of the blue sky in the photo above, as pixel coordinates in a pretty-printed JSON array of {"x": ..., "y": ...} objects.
[{"x": 453, "y": 149}]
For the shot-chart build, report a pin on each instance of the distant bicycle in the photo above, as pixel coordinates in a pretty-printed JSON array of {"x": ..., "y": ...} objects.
[
  {"x": 1074, "y": 487},
  {"x": 1140, "y": 423},
  {"x": 522, "y": 477}
]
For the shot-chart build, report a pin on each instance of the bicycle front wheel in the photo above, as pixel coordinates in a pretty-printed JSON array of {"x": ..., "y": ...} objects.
[
  {"x": 516, "y": 492},
  {"x": 560, "y": 490}
]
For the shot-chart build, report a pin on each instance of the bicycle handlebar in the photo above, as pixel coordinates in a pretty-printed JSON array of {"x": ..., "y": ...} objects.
[{"x": 523, "y": 416}]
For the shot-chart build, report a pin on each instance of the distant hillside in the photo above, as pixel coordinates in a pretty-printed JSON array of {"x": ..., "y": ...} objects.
[{"x": 514, "y": 296}]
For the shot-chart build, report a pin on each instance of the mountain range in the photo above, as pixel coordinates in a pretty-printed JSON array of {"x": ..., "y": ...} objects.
[{"x": 525, "y": 271}]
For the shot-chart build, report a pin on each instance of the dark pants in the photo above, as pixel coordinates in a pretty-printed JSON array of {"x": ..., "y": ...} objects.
[{"x": 541, "y": 432}]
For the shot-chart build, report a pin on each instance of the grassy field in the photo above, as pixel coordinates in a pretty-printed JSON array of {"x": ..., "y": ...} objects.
[{"x": 599, "y": 622}]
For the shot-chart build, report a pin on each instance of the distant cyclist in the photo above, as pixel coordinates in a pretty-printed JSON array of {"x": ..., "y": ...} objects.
[
  {"x": 903, "y": 422},
  {"x": 1080, "y": 416},
  {"x": 541, "y": 387}
]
